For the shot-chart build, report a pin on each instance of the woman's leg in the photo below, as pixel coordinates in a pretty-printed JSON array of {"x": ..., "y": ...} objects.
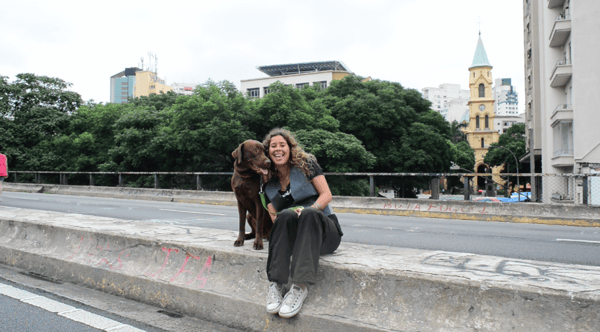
[
  {"x": 317, "y": 235},
  {"x": 1, "y": 181},
  {"x": 281, "y": 244}
]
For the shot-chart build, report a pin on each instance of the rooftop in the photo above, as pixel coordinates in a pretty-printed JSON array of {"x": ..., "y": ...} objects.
[
  {"x": 304, "y": 67},
  {"x": 480, "y": 59}
]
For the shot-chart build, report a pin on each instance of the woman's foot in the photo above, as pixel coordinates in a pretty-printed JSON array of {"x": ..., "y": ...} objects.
[
  {"x": 274, "y": 298},
  {"x": 293, "y": 301}
]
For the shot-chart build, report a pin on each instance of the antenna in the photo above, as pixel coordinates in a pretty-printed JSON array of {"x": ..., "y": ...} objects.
[
  {"x": 142, "y": 59},
  {"x": 479, "y": 22}
]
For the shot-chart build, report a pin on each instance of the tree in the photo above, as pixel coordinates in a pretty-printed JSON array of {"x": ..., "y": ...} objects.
[
  {"x": 34, "y": 109},
  {"x": 286, "y": 106},
  {"x": 513, "y": 140}
]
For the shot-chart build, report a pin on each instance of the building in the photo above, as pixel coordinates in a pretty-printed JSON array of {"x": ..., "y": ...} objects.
[
  {"x": 503, "y": 122},
  {"x": 298, "y": 75},
  {"x": 122, "y": 85},
  {"x": 184, "y": 88},
  {"x": 147, "y": 82},
  {"x": 480, "y": 132},
  {"x": 506, "y": 97},
  {"x": 561, "y": 47},
  {"x": 448, "y": 99}
]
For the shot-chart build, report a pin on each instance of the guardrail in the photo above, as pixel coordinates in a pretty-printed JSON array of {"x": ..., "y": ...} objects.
[{"x": 546, "y": 188}]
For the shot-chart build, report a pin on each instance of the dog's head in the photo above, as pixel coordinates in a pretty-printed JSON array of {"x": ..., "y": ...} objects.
[{"x": 251, "y": 156}]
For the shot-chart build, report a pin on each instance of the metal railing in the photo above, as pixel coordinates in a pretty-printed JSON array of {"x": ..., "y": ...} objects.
[
  {"x": 564, "y": 62},
  {"x": 545, "y": 188}
]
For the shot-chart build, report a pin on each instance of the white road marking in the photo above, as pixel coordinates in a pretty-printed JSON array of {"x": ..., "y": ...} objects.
[
  {"x": 30, "y": 199},
  {"x": 66, "y": 311},
  {"x": 571, "y": 240},
  {"x": 212, "y": 214}
]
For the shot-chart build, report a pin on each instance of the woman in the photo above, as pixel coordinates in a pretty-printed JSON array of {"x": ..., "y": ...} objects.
[
  {"x": 3, "y": 170},
  {"x": 302, "y": 233}
]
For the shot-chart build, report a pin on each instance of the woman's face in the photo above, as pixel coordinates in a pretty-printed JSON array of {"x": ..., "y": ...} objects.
[{"x": 279, "y": 150}]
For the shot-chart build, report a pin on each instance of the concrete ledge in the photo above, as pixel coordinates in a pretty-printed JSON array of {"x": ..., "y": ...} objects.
[
  {"x": 551, "y": 214},
  {"x": 198, "y": 272}
]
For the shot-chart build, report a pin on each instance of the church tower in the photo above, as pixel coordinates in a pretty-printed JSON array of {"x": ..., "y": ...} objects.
[{"x": 480, "y": 131}]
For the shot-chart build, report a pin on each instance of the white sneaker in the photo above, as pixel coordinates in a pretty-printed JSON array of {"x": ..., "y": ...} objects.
[
  {"x": 293, "y": 301},
  {"x": 274, "y": 298}
]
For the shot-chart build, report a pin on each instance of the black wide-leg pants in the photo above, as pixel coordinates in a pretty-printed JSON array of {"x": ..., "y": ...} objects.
[{"x": 300, "y": 241}]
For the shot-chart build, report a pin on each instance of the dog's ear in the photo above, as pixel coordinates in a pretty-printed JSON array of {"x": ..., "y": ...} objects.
[{"x": 238, "y": 153}]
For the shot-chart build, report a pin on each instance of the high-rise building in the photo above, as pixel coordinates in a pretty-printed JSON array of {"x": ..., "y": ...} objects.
[
  {"x": 507, "y": 101},
  {"x": 562, "y": 43},
  {"x": 448, "y": 99},
  {"x": 122, "y": 85}
]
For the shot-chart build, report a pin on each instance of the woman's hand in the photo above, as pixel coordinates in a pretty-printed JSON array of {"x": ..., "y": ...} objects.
[{"x": 299, "y": 210}]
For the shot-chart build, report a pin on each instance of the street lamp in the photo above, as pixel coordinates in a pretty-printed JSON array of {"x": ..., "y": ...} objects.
[{"x": 516, "y": 163}]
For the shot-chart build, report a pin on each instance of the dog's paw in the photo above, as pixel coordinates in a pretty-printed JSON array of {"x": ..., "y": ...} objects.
[
  {"x": 238, "y": 243},
  {"x": 258, "y": 245}
]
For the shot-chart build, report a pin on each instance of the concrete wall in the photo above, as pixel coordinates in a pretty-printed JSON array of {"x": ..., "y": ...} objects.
[{"x": 198, "y": 272}]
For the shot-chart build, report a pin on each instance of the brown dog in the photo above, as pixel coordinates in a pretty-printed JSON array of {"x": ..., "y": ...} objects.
[{"x": 251, "y": 163}]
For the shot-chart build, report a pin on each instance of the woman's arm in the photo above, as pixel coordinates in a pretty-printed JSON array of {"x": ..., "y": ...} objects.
[
  {"x": 322, "y": 189},
  {"x": 272, "y": 212}
]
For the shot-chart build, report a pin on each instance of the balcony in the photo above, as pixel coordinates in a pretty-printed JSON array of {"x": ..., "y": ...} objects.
[
  {"x": 561, "y": 30},
  {"x": 563, "y": 112},
  {"x": 555, "y": 3},
  {"x": 561, "y": 74}
]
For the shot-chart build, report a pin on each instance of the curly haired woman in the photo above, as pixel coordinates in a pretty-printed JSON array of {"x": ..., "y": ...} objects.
[{"x": 304, "y": 226}]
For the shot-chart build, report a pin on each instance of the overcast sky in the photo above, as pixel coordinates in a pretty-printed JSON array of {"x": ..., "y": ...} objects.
[{"x": 418, "y": 43}]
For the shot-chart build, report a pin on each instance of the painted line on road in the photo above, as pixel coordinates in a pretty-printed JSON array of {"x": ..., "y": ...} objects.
[
  {"x": 212, "y": 214},
  {"x": 571, "y": 240},
  {"x": 29, "y": 199},
  {"x": 65, "y": 310}
]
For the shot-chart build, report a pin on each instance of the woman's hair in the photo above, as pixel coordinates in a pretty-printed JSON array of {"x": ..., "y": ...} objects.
[{"x": 298, "y": 157}]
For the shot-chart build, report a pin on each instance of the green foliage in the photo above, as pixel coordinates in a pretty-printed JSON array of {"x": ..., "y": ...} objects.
[
  {"x": 513, "y": 140},
  {"x": 352, "y": 126},
  {"x": 339, "y": 153},
  {"x": 33, "y": 109}
]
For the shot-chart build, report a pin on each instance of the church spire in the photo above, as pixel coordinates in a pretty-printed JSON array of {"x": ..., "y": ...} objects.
[{"x": 480, "y": 59}]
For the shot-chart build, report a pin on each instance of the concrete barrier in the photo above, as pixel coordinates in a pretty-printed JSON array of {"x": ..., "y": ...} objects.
[
  {"x": 197, "y": 271},
  {"x": 552, "y": 214}
]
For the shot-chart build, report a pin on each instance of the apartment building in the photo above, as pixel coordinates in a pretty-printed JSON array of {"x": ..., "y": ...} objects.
[
  {"x": 506, "y": 97},
  {"x": 562, "y": 76},
  {"x": 448, "y": 99},
  {"x": 122, "y": 85}
]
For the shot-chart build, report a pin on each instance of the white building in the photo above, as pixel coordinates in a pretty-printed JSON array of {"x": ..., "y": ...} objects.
[
  {"x": 503, "y": 122},
  {"x": 449, "y": 100},
  {"x": 506, "y": 97},
  {"x": 298, "y": 75},
  {"x": 562, "y": 76},
  {"x": 184, "y": 88}
]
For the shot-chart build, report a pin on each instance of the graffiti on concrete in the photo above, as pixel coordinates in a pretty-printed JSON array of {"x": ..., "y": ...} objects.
[
  {"x": 515, "y": 270},
  {"x": 435, "y": 207},
  {"x": 88, "y": 252}
]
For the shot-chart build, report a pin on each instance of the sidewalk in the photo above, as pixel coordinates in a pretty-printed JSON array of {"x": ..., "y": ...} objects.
[{"x": 198, "y": 272}]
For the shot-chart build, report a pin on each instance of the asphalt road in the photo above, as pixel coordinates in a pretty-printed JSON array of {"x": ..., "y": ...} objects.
[{"x": 564, "y": 244}]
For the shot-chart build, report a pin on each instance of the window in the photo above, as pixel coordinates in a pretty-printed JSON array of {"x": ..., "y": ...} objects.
[
  {"x": 266, "y": 90},
  {"x": 487, "y": 122},
  {"x": 477, "y": 122},
  {"x": 323, "y": 84},
  {"x": 301, "y": 85},
  {"x": 482, "y": 143},
  {"x": 563, "y": 138},
  {"x": 254, "y": 92},
  {"x": 481, "y": 90}
]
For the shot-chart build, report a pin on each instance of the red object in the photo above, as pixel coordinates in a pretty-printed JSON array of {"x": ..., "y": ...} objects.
[
  {"x": 3, "y": 167},
  {"x": 188, "y": 88}
]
